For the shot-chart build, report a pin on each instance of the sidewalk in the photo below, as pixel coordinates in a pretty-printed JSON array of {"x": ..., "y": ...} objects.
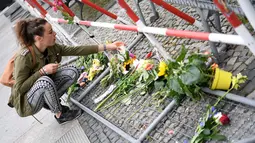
[{"x": 27, "y": 130}]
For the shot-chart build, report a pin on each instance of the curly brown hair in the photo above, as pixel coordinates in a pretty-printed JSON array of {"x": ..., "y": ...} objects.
[{"x": 27, "y": 29}]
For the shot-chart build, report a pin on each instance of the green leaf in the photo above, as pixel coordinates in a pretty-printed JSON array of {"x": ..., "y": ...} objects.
[
  {"x": 159, "y": 85},
  {"x": 182, "y": 55},
  {"x": 197, "y": 59},
  {"x": 207, "y": 132},
  {"x": 174, "y": 85},
  {"x": 127, "y": 55},
  {"x": 145, "y": 75},
  {"x": 187, "y": 91},
  {"x": 190, "y": 76},
  {"x": 219, "y": 137}
]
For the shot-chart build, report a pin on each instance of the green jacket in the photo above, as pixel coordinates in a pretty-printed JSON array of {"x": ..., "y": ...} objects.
[{"x": 25, "y": 74}]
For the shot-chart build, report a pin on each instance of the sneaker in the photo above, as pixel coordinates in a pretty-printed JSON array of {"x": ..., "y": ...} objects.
[
  {"x": 68, "y": 116},
  {"x": 64, "y": 108}
]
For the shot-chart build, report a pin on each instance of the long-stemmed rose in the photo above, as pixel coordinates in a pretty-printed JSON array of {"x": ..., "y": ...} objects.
[{"x": 207, "y": 129}]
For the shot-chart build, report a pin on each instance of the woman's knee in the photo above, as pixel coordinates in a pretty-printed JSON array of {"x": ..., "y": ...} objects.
[
  {"x": 71, "y": 71},
  {"x": 44, "y": 81}
]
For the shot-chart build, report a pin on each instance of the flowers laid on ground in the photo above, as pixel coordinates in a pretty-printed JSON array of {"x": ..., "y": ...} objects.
[
  {"x": 184, "y": 76},
  {"x": 88, "y": 64},
  {"x": 134, "y": 77},
  {"x": 221, "y": 118},
  {"x": 58, "y": 6},
  {"x": 95, "y": 69},
  {"x": 207, "y": 128},
  {"x": 174, "y": 79},
  {"x": 83, "y": 79},
  {"x": 120, "y": 64}
]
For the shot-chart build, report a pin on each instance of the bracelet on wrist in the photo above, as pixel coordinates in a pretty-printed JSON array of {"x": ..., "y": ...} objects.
[
  {"x": 44, "y": 70},
  {"x": 104, "y": 47},
  {"x": 40, "y": 71}
]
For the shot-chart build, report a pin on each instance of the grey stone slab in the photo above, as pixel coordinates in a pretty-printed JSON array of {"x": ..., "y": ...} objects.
[
  {"x": 249, "y": 87},
  {"x": 76, "y": 134},
  {"x": 228, "y": 67},
  {"x": 245, "y": 72},
  {"x": 236, "y": 54},
  {"x": 237, "y": 65},
  {"x": 251, "y": 74},
  {"x": 244, "y": 52},
  {"x": 250, "y": 53},
  {"x": 249, "y": 60},
  {"x": 240, "y": 69},
  {"x": 242, "y": 59},
  {"x": 232, "y": 61},
  {"x": 251, "y": 65},
  {"x": 239, "y": 48}
]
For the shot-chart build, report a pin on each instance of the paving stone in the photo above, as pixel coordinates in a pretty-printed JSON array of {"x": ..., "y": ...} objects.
[
  {"x": 173, "y": 52},
  {"x": 92, "y": 121},
  {"x": 251, "y": 74},
  {"x": 115, "y": 139},
  {"x": 249, "y": 87},
  {"x": 242, "y": 59},
  {"x": 250, "y": 53},
  {"x": 97, "y": 141},
  {"x": 244, "y": 52},
  {"x": 112, "y": 135},
  {"x": 251, "y": 65},
  {"x": 250, "y": 60},
  {"x": 239, "y": 69},
  {"x": 236, "y": 54},
  {"x": 232, "y": 61},
  {"x": 156, "y": 135},
  {"x": 94, "y": 125},
  {"x": 178, "y": 47},
  {"x": 229, "y": 67},
  {"x": 106, "y": 141},
  {"x": 245, "y": 72},
  {"x": 93, "y": 139},
  {"x": 237, "y": 65},
  {"x": 239, "y": 48},
  {"x": 119, "y": 141},
  {"x": 89, "y": 132},
  {"x": 92, "y": 135}
]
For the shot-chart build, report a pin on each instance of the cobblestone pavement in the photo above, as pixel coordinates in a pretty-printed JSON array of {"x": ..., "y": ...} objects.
[{"x": 184, "y": 118}]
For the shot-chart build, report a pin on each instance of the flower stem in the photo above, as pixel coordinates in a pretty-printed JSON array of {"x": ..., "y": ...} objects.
[
  {"x": 208, "y": 75},
  {"x": 223, "y": 96}
]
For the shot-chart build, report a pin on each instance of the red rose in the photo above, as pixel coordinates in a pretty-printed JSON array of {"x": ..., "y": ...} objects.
[
  {"x": 148, "y": 55},
  {"x": 224, "y": 119},
  {"x": 221, "y": 118}
]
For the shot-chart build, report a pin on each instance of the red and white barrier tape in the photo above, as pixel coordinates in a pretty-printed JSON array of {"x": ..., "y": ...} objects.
[
  {"x": 205, "y": 36},
  {"x": 237, "y": 24}
]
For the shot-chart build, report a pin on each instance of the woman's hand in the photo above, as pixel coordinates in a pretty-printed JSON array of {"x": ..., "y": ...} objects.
[
  {"x": 113, "y": 46},
  {"x": 50, "y": 68}
]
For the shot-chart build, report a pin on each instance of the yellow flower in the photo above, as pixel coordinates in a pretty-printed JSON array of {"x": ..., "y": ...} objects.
[
  {"x": 129, "y": 62},
  {"x": 162, "y": 68}
]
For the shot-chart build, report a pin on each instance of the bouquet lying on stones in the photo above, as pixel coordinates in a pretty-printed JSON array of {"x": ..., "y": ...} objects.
[
  {"x": 132, "y": 75},
  {"x": 207, "y": 128}
]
